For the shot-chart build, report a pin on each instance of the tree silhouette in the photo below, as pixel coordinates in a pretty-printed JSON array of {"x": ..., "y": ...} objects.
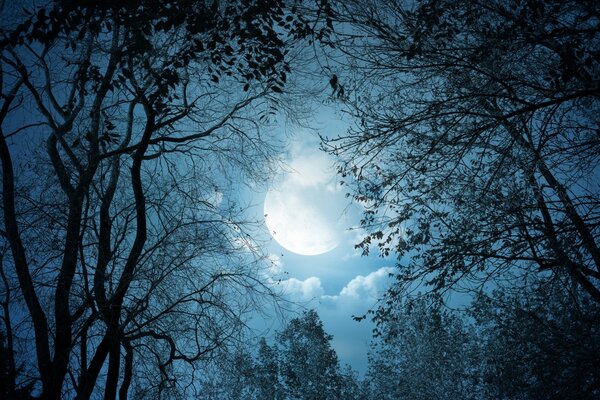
[
  {"x": 423, "y": 352},
  {"x": 475, "y": 153},
  {"x": 122, "y": 124},
  {"x": 540, "y": 343}
]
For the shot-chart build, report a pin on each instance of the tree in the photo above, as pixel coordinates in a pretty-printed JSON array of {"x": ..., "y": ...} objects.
[
  {"x": 122, "y": 126},
  {"x": 268, "y": 373},
  {"x": 301, "y": 364},
  {"x": 528, "y": 342},
  {"x": 309, "y": 366},
  {"x": 475, "y": 154},
  {"x": 352, "y": 388},
  {"x": 424, "y": 352},
  {"x": 475, "y": 151},
  {"x": 538, "y": 344},
  {"x": 237, "y": 377}
]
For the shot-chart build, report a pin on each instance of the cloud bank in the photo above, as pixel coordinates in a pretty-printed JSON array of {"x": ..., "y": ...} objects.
[{"x": 360, "y": 288}]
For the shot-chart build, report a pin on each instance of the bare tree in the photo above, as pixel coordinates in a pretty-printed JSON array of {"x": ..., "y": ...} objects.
[
  {"x": 476, "y": 147},
  {"x": 124, "y": 129}
]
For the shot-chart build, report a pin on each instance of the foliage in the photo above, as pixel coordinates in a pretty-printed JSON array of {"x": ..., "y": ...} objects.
[
  {"x": 475, "y": 151},
  {"x": 543, "y": 345},
  {"x": 309, "y": 365},
  {"x": 268, "y": 373},
  {"x": 475, "y": 155},
  {"x": 534, "y": 344},
  {"x": 424, "y": 352},
  {"x": 299, "y": 365}
]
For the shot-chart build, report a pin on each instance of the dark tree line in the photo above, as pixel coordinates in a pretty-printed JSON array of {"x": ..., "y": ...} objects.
[{"x": 534, "y": 342}]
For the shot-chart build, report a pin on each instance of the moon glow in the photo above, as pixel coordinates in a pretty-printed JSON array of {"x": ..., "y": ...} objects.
[{"x": 303, "y": 211}]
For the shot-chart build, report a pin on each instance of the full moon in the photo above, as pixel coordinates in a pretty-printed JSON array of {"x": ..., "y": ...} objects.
[{"x": 304, "y": 209}]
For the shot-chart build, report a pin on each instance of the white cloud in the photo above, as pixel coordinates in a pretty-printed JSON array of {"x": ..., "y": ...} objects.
[
  {"x": 307, "y": 289},
  {"x": 361, "y": 289},
  {"x": 371, "y": 286},
  {"x": 350, "y": 338}
]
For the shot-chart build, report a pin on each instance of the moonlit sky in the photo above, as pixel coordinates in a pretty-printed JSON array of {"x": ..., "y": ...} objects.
[{"x": 339, "y": 283}]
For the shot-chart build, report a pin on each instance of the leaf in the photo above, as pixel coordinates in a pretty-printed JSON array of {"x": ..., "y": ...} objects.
[{"x": 334, "y": 82}]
